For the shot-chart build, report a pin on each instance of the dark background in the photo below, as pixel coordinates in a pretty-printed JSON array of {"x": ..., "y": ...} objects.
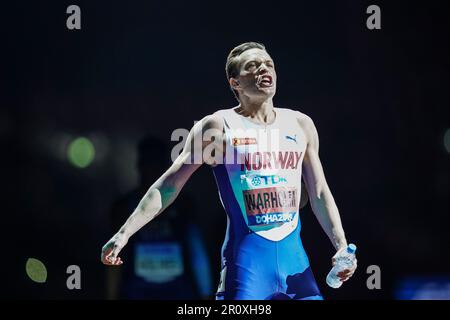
[{"x": 379, "y": 99}]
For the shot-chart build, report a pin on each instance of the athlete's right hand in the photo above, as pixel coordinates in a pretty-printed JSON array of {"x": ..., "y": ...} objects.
[{"x": 111, "y": 250}]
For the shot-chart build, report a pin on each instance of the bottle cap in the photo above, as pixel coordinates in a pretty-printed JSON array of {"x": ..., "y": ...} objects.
[{"x": 351, "y": 248}]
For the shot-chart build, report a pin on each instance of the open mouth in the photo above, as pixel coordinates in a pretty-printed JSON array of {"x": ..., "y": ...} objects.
[{"x": 265, "y": 81}]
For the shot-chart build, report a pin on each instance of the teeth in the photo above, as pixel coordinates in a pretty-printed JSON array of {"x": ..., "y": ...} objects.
[{"x": 266, "y": 80}]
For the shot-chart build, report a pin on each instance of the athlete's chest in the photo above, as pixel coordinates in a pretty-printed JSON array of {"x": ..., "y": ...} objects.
[{"x": 276, "y": 148}]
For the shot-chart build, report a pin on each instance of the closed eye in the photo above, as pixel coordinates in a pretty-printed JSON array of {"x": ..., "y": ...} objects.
[
  {"x": 254, "y": 64},
  {"x": 251, "y": 64}
]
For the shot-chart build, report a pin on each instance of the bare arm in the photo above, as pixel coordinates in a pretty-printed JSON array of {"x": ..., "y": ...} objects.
[
  {"x": 322, "y": 201},
  {"x": 164, "y": 191}
]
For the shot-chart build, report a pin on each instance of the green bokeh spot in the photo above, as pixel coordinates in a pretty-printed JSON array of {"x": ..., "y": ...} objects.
[
  {"x": 81, "y": 152},
  {"x": 36, "y": 270}
]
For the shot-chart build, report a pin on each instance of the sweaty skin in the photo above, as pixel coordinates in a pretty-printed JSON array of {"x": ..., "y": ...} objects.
[{"x": 256, "y": 104}]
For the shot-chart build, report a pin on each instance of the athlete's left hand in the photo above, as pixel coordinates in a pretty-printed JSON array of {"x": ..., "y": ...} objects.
[{"x": 346, "y": 274}]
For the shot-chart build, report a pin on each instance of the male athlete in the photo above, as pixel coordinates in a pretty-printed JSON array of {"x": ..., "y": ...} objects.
[{"x": 259, "y": 180}]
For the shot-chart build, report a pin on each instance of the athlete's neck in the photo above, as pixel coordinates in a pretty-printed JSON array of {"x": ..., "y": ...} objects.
[{"x": 262, "y": 112}]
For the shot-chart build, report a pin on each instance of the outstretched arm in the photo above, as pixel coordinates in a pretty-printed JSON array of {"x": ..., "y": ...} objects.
[
  {"x": 322, "y": 201},
  {"x": 163, "y": 192}
]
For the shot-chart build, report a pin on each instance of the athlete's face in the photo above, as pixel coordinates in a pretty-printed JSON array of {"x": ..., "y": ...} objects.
[{"x": 257, "y": 76}]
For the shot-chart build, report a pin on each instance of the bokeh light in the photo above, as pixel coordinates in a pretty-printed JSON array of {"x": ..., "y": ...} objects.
[
  {"x": 81, "y": 152},
  {"x": 36, "y": 270}
]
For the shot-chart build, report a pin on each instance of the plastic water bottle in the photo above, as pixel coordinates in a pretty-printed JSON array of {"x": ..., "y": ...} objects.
[{"x": 343, "y": 261}]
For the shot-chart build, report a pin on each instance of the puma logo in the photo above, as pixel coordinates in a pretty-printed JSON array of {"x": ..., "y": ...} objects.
[{"x": 294, "y": 138}]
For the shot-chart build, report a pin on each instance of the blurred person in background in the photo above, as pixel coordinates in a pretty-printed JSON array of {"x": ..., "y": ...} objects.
[{"x": 167, "y": 259}]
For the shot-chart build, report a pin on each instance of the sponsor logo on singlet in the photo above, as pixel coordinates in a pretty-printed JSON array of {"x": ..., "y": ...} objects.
[
  {"x": 243, "y": 141},
  {"x": 270, "y": 160},
  {"x": 262, "y": 180},
  {"x": 293, "y": 138},
  {"x": 274, "y": 205}
]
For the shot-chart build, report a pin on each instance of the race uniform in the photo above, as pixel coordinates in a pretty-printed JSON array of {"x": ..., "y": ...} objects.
[{"x": 259, "y": 183}]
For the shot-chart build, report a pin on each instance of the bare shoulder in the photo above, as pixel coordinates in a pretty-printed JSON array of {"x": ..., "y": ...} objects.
[
  {"x": 307, "y": 125},
  {"x": 303, "y": 118},
  {"x": 211, "y": 121},
  {"x": 305, "y": 121}
]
